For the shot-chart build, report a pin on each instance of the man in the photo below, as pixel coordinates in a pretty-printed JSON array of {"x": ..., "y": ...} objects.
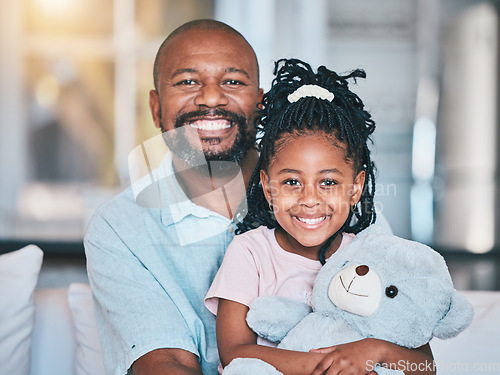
[{"x": 150, "y": 268}]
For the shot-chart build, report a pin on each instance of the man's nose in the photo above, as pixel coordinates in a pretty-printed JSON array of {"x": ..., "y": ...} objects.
[{"x": 211, "y": 95}]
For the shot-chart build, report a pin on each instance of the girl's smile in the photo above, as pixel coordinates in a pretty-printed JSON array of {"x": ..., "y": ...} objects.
[
  {"x": 311, "y": 187},
  {"x": 311, "y": 222}
]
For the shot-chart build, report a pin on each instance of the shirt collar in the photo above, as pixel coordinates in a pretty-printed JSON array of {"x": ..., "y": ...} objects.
[{"x": 175, "y": 203}]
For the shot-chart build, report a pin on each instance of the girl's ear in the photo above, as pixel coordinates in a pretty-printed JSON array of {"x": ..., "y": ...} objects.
[
  {"x": 266, "y": 186},
  {"x": 357, "y": 187}
]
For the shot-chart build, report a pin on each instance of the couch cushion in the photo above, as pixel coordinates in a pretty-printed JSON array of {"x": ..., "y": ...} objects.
[
  {"x": 18, "y": 277},
  {"x": 476, "y": 350},
  {"x": 88, "y": 357},
  {"x": 53, "y": 344}
]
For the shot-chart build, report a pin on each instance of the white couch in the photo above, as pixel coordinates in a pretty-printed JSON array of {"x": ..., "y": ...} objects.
[
  {"x": 53, "y": 342},
  {"x": 64, "y": 337},
  {"x": 47, "y": 331},
  {"x": 58, "y": 347},
  {"x": 477, "y": 349}
]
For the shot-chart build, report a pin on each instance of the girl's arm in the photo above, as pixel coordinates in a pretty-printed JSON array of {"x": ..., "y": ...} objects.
[
  {"x": 236, "y": 340},
  {"x": 366, "y": 353}
]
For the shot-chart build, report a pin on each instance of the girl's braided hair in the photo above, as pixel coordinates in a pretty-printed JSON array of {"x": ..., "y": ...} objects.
[{"x": 344, "y": 117}]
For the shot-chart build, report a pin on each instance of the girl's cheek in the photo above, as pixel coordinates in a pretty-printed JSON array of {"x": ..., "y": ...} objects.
[
  {"x": 294, "y": 209},
  {"x": 276, "y": 189}
]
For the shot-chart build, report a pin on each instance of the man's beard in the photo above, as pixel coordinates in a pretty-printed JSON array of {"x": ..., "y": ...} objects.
[{"x": 178, "y": 140}]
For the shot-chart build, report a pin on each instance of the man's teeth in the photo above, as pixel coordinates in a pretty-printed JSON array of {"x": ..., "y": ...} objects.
[
  {"x": 210, "y": 125},
  {"x": 311, "y": 221}
]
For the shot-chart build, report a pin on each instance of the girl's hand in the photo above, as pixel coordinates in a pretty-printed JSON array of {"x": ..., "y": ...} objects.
[{"x": 358, "y": 357}]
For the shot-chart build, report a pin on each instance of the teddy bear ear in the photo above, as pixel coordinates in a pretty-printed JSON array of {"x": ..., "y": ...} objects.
[{"x": 458, "y": 317}]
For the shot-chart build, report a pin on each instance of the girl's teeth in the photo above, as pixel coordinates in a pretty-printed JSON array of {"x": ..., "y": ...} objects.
[
  {"x": 311, "y": 221},
  {"x": 210, "y": 125}
]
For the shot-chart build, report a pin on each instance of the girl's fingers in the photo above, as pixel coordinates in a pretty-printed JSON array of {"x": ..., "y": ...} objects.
[{"x": 321, "y": 368}]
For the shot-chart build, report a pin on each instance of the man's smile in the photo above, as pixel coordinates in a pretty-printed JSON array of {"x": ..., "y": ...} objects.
[
  {"x": 211, "y": 128},
  {"x": 211, "y": 123}
]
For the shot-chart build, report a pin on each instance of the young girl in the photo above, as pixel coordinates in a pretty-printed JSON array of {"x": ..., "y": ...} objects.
[{"x": 312, "y": 191}]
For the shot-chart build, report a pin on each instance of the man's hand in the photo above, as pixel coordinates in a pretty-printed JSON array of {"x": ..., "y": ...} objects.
[{"x": 167, "y": 361}]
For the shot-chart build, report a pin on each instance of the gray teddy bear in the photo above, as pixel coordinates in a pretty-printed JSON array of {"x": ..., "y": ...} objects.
[{"x": 379, "y": 286}]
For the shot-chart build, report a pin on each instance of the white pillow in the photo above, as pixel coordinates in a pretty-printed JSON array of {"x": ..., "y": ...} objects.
[
  {"x": 474, "y": 351},
  {"x": 18, "y": 277},
  {"x": 88, "y": 356}
]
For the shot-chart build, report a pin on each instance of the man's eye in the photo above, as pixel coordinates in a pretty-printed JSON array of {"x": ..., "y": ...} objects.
[
  {"x": 234, "y": 82},
  {"x": 186, "y": 82}
]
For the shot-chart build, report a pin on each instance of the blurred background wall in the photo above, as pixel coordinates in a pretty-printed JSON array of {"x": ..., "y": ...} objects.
[{"x": 75, "y": 77}]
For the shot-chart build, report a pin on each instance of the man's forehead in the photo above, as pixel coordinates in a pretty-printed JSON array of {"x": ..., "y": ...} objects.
[
  {"x": 204, "y": 41},
  {"x": 212, "y": 46}
]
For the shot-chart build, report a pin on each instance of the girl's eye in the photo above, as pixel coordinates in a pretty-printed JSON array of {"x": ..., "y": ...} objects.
[
  {"x": 328, "y": 182},
  {"x": 291, "y": 182}
]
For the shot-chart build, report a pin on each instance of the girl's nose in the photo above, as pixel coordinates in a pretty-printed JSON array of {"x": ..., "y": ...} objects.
[
  {"x": 211, "y": 95},
  {"x": 309, "y": 196}
]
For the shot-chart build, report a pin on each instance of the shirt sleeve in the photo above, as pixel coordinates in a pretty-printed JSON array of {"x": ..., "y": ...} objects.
[
  {"x": 135, "y": 315},
  {"x": 238, "y": 277}
]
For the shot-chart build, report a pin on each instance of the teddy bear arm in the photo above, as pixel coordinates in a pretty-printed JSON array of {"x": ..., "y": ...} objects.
[
  {"x": 457, "y": 319},
  {"x": 381, "y": 370},
  {"x": 272, "y": 317},
  {"x": 249, "y": 366},
  {"x": 319, "y": 331}
]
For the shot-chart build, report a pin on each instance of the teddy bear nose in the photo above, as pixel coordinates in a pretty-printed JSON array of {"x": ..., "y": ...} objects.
[{"x": 362, "y": 270}]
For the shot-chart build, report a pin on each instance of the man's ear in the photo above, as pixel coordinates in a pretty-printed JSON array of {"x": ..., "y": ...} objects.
[
  {"x": 154, "y": 107},
  {"x": 357, "y": 187},
  {"x": 266, "y": 186}
]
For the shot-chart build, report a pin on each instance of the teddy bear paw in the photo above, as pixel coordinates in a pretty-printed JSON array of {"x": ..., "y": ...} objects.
[{"x": 249, "y": 366}]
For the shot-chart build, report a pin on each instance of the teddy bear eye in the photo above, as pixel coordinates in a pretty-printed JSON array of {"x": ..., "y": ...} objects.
[{"x": 391, "y": 291}]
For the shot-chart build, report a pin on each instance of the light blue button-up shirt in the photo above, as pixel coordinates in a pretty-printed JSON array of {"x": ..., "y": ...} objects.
[{"x": 150, "y": 269}]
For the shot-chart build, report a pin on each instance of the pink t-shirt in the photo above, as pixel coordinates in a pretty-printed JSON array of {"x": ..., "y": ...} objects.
[{"x": 256, "y": 265}]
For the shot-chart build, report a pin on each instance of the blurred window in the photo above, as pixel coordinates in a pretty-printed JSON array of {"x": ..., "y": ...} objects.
[{"x": 75, "y": 77}]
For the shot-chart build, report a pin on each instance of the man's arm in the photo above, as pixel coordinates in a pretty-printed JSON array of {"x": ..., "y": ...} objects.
[
  {"x": 167, "y": 362},
  {"x": 135, "y": 314}
]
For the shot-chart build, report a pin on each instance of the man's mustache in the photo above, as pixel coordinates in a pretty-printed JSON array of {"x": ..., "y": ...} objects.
[{"x": 184, "y": 118}]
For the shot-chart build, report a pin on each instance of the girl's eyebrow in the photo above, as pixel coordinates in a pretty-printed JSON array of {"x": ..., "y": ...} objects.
[
  {"x": 332, "y": 170},
  {"x": 289, "y": 170},
  {"x": 323, "y": 171}
]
